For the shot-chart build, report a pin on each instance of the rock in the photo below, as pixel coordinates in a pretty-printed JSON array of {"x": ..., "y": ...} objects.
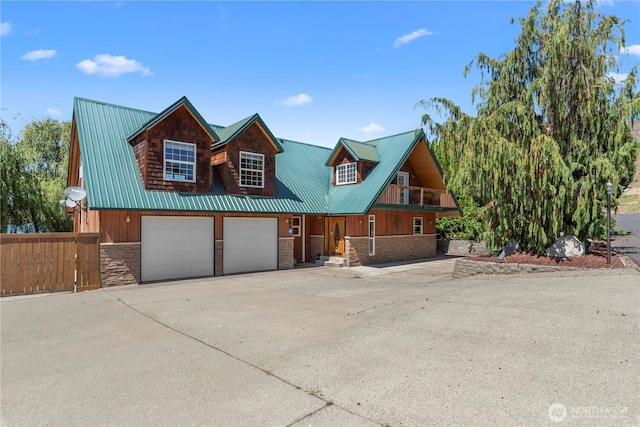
[
  {"x": 566, "y": 246},
  {"x": 512, "y": 247},
  {"x": 590, "y": 246}
]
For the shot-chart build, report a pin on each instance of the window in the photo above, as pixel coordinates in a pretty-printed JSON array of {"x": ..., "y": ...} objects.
[
  {"x": 251, "y": 170},
  {"x": 372, "y": 234},
  {"x": 403, "y": 182},
  {"x": 417, "y": 225},
  {"x": 179, "y": 161},
  {"x": 295, "y": 225},
  {"x": 346, "y": 174}
]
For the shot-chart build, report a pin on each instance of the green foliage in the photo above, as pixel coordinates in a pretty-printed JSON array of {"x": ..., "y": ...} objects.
[
  {"x": 552, "y": 127},
  {"x": 469, "y": 226},
  {"x": 33, "y": 175}
]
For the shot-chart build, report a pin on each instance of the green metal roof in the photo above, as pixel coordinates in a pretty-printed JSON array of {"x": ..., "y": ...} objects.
[
  {"x": 113, "y": 181},
  {"x": 173, "y": 107},
  {"x": 303, "y": 181},
  {"x": 230, "y": 132},
  {"x": 359, "y": 150},
  {"x": 393, "y": 151}
]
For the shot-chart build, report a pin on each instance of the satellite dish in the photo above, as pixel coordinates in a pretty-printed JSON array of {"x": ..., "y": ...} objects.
[
  {"x": 68, "y": 203},
  {"x": 74, "y": 194}
]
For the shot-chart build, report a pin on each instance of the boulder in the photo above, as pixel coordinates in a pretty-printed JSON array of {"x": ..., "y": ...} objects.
[
  {"x": 512, "y": 247},
  {"x": 566, "y": 246}
]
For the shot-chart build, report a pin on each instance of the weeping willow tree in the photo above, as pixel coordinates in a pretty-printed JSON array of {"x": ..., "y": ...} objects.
[{"x": 552, "y": 127}]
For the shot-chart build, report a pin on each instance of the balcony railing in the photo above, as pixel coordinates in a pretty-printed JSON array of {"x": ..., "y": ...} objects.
[{"x": 420, "y": 196}]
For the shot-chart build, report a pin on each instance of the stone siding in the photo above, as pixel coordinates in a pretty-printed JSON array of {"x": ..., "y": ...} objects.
[
  {"x": 461, "y": 247},
  {"x": 285, "y": 253},
  {"x": 316, "y": 246},
  {"x": 217, "y": 255},
  {"x": 119, "y": 264},
  {"x": 465, "y": 268},
  {"x": 389, "y": 249}
]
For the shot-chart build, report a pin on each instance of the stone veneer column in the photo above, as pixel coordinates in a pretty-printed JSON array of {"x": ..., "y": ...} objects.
[
  {"x": 119, "y": 264},
  {"x": 285, "y": 253},
  {"x": 316, "y": 246},
  {"x": 389, "y": 248},
  {"x": 218, "y": 258}
]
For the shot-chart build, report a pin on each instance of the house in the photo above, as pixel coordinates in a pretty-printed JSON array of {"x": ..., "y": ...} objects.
[{"x": 173, "y": 196}]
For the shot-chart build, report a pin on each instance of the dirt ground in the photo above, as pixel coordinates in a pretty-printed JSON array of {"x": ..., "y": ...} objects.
[{"x": 596, "y": 259}]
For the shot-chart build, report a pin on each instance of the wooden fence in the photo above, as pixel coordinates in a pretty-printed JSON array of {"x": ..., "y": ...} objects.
[{"x": 48, "y": 262}]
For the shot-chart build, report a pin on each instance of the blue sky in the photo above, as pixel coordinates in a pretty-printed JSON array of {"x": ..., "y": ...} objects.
[{"x": 314, "y": 71}]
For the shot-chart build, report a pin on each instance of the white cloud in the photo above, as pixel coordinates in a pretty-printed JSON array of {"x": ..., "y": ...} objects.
[
  {"x": 412, "y": 36},
  {"x": 618, "y": 77},
  {"x": 371, "y": 128},
  {"x": 112, "y": 66},
  {"x": 5, "y": 28},
  {"x": 296, "y": 100},
  {"x": 53, "y": 112},
  {"x": 634, "y": 49},
  {"x": 34, "y": 55}
]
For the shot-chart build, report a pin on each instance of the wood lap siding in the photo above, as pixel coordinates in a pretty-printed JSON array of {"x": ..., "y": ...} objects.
[
  {"x": 47, "y": 262},
  {"x": 115, "y": 228},
  {"x": 390, "y": 223}
]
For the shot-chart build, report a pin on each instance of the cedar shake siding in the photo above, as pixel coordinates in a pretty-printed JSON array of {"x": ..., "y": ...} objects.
[
  {"x": 363, "y": 168},
  {"x": 148, "y": 147},
  {"x": 226, "y": 162}
]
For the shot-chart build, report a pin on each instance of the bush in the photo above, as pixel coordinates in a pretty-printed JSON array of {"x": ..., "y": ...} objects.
[{"x": 467, "y": 227}]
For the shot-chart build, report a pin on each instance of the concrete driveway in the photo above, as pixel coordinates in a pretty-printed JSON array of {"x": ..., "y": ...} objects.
[{"x": 404, "y": 345}]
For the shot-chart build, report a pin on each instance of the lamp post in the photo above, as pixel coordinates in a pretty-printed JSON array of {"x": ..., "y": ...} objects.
[{"x": 609, "y": 187}]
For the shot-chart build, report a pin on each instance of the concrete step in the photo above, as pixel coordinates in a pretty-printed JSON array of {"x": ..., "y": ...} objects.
[
  {"x": 336, "y": 262},
  {"x": 322, "y": 260}
]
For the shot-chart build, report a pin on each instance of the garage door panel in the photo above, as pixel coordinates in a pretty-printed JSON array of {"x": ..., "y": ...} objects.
[
  {"x": 250, "y": 244},
  {"x": 176, "y": 247}
]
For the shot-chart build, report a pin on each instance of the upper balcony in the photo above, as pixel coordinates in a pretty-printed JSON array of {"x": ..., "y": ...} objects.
[{"x": 416, "y": 196}]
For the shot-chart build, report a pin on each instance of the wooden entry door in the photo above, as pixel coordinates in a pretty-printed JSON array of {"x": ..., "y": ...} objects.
[{"x": 335, "y": 236}]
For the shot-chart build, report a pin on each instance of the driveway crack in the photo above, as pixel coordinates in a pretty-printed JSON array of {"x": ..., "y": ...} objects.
[{"x": 327, "y": 402}]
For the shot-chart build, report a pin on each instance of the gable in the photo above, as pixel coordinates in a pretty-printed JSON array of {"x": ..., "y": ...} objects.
[
  {"x": 181, "y": 127},
  {"x": 226, "y": 160},
  {"x": 426, "y": 169},
  {"x": 182, "y": 103}
]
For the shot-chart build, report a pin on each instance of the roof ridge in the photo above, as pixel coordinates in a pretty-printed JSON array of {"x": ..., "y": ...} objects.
[
  {"x": 304, "y": 143},
  {"x": 79, "y": 98},
  {"x": 392, "y": 136}
]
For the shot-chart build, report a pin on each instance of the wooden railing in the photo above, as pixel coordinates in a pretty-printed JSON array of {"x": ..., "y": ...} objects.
[
  {"x": 409, "y": 195},
  {"x": 48, "y": 262}
]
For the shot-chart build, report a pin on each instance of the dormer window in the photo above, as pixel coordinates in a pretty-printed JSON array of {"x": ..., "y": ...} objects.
[
  {"x": 251, "y": 170},
  {"x": 179, "y": 161},
  {"x": 346, "y": 173}
]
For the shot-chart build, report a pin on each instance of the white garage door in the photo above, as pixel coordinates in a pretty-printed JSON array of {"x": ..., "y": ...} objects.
[
  {"x": 250, "y": 244},
  {"x": 175, "y": 247}
]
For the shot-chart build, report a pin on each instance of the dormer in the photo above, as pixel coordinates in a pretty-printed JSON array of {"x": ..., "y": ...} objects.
[
  {"x": 352, "y": 161},
  {"x": 173, "y": 150},
  {"x": 244, "y": 159}
]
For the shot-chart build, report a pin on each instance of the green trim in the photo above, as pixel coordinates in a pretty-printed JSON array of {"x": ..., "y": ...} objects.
[
  {"x": 413, "y": 208},
  {"x": 168, "y": 111}
]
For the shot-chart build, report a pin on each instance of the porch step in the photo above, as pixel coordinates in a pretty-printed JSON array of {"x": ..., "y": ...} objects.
[
  {"x": 322, "y": 260},
  {"x": 336, "y": 262}
]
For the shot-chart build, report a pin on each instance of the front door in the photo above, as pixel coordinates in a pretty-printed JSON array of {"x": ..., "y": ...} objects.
[{"x": 335, "y": 236}]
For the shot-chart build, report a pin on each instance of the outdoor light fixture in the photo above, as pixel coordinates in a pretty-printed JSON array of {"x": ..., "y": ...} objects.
[{"x": 609, "y": 188}]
